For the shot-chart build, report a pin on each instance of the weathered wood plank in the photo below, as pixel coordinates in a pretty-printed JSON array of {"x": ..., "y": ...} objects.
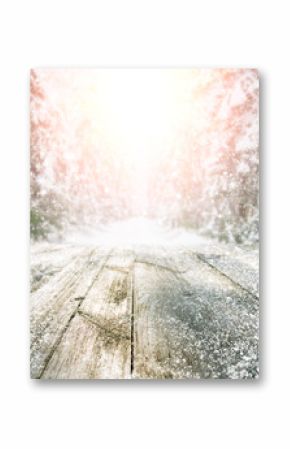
[
  {"x": 97, "y": 343},
  {"x": 53, "y": 305},
  {"x": 87, "y": 351},
  {"x": 121, "y": 259},
  {"x": 175, "y": 259},
  {"x": 109, "y": 300},
  {"x": 167, "y": 315},
  {"x": 240, "y": 272},
  {"x": 46, "y": 247},
  {"x": 45, "y": 264},
  {"x": 193, "y": 325}
]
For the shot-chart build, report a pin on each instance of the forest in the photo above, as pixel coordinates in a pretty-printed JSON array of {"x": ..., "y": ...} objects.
[{"x": 179, "y": 146}]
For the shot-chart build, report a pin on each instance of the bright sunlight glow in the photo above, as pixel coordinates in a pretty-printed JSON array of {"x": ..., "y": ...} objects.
[{"x": 141, "y": 110}]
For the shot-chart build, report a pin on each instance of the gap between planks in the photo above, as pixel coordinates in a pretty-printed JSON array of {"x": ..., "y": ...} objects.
[
  {"x": 76, "y": 311},
  {"x": 110, "y": 333},
  {"x": 131, "y": 272},
  {"x": 222, "y": 273}
]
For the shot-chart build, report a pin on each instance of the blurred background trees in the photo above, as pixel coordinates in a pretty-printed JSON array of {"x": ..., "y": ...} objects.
[{"x": 206, "y": 177}]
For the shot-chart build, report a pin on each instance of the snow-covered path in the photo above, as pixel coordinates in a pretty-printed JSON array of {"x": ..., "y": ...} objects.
[{"x": 178, "y": 309}]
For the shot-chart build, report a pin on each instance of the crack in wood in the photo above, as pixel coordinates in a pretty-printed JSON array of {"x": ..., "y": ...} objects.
[
  {"x": 237, "y": 284},
  {"x": 75, "y": 311},
  {"x": 59, "y": 340},
  {"x": 162, "y": 267},
  {"x": 117, "y": 330}
]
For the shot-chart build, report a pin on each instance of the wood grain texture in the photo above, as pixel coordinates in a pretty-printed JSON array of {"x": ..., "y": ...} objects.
[
  {"x": 47, "y": 261},
  {"x": 121, "y": 259},
  {"x": 87, "y": 351},
  {"x": 186, "y": 328},
  {"x": 109, "y": 301},
  {"x": 237, "y": 270},
  {"x": 53, "y": 305},
  {"x": 97, "y": 342},
  {"x": 143, "y": 313}
]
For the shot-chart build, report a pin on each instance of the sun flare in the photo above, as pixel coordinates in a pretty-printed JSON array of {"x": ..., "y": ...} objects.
[{"x": 140, "y": 112}]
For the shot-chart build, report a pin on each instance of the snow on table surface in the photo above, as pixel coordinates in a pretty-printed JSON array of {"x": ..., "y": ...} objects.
[{"x": 177, "y": 307}]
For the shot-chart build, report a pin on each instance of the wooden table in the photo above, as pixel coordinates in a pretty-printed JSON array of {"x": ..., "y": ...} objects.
[{"x": 140, "y": 312}]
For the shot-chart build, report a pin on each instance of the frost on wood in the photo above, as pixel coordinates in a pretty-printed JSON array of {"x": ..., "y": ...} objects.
[{"x": 162, "y": 313}]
